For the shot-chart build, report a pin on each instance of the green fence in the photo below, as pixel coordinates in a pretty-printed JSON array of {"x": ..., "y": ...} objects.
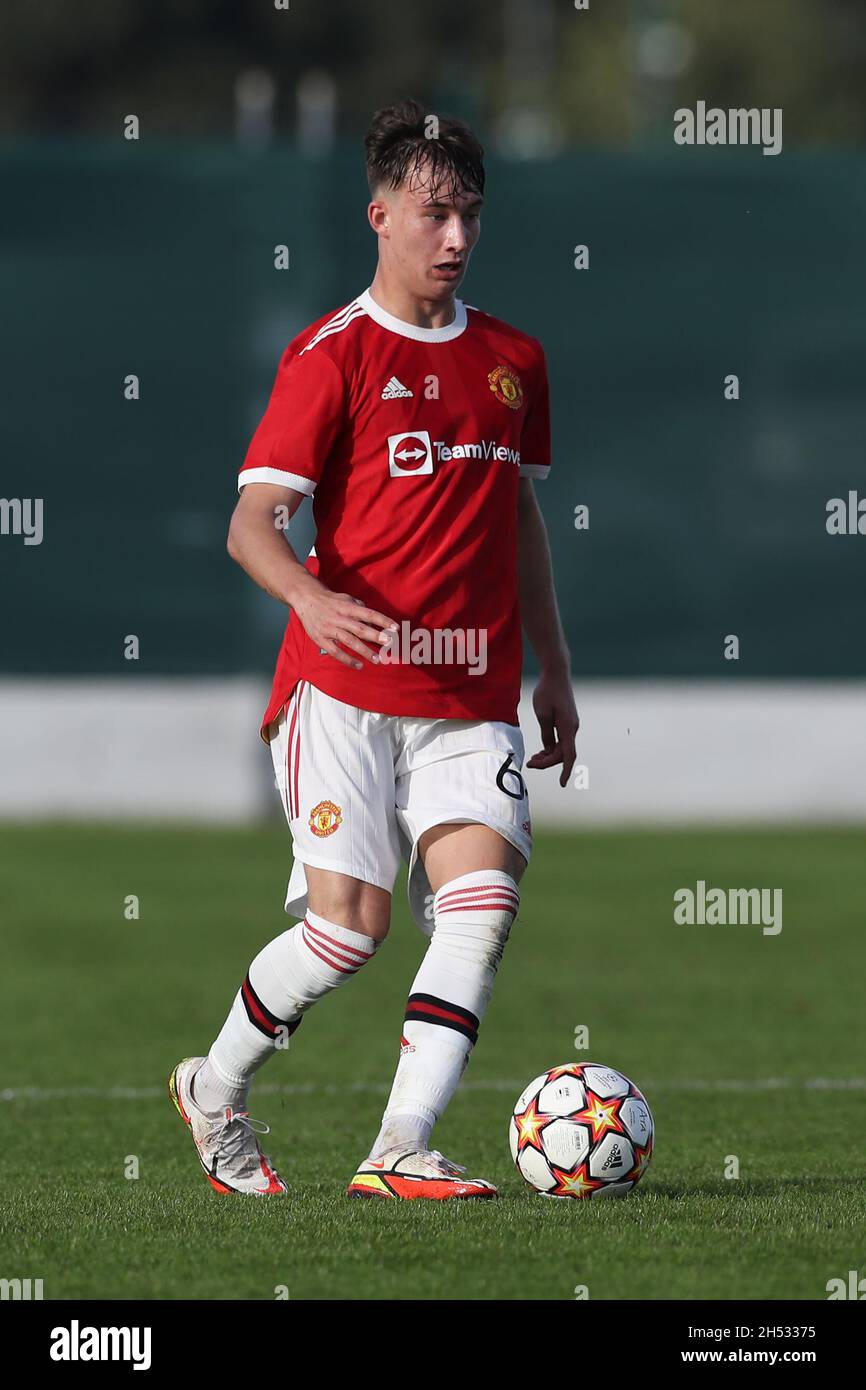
[{"x": 707, "y": 516}]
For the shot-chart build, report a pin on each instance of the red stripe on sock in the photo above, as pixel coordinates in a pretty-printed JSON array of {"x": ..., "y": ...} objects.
[
  {"x": 414, "y": 1010},
  {"x": 340, "y": 947},
  {"x": 482, "y": 905},
  {"x": 473, "y": 897},
  {"x": 335, "y": 965},
  {"x": 463, "y": 894}
]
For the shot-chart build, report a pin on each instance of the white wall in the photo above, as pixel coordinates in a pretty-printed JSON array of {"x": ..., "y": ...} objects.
[
  {"x": 711, "y": 751},
  {"x": 130, "y": 748},
  {"x": 655, "y": 751}
]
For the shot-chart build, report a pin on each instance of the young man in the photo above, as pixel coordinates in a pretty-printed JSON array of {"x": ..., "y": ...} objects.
[{"x": 417, "y": 424}]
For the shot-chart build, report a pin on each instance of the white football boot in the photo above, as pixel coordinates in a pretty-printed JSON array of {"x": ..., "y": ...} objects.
[
  {"x": 226, "y": 1142},
  {"x": 408, "y": 1173}
]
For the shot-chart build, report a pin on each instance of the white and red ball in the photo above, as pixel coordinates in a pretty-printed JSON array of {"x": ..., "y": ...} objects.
[{"x": 581, "y": 1130}]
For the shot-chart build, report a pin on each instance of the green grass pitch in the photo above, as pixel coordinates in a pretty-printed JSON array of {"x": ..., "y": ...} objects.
[{"x": 744, "y": 1044}]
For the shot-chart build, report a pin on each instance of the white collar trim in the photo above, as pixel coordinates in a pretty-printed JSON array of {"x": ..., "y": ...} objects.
[{"x": 411, "y": 330}]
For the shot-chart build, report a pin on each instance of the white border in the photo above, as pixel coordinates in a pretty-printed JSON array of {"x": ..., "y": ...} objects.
[
  {"x": 276, "y": 475},
  {"x": 534, "y": 470},
  {"x": 411, "y": 330}
]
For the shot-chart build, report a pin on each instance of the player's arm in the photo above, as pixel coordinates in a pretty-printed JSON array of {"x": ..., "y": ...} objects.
[
  {"x": 256, "y": 542},
  {"x": 553, "y": 697}
]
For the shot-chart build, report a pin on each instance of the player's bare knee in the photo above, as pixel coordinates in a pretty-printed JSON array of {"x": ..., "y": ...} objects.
[
  {"x": 351, "y": 903},
  {"x": 373, "y": 924},
  {"x": 516, "y": 865}
]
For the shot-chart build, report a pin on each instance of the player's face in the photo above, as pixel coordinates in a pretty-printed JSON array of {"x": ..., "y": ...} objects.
[{"x": 431, "y": 237}]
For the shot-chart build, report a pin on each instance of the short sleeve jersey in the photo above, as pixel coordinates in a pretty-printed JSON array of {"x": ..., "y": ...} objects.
[{"x": 410, "y": 442}]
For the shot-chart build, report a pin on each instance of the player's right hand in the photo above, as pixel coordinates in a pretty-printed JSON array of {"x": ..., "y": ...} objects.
[{"x": 329, "y": 619}]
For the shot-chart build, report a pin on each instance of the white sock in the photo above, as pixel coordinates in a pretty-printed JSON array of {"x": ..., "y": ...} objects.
[
  {"x": 472, "y": 916},
  {"x": 285, "y": 979}
]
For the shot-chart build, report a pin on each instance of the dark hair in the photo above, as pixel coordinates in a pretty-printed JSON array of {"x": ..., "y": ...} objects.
[{"x": 398, "y": 147}]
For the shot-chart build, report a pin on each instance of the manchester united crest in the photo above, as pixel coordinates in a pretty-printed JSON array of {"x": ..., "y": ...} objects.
[
  {"x": 506, "y": 387},
  {"x": 325, "y": 818}
]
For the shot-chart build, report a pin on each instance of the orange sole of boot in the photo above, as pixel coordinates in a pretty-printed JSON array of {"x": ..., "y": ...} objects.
[{"x": 392, "y": 1186}]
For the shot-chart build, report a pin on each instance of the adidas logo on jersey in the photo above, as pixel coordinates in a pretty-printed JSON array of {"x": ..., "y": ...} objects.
[{"x": 394, "y": 389}]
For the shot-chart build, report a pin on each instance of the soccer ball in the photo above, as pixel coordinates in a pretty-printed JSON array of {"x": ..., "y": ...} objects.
[{"x": 581, "y": 1130}]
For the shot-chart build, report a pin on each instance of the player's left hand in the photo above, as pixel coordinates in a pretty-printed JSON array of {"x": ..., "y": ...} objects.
[{"x": 556, "y": 712}]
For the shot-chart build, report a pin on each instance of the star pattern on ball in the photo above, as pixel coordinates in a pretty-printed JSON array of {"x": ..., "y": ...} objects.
[
  {"x": 642, "y": 1159},
  {"x": 576, "y": 1184},
  {"x": 529, "y": 1126},
  {"x": 601, "y": 1114},
  {"x": 569, "y": 1069}
]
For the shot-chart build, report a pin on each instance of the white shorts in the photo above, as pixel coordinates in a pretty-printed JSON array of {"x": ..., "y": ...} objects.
[{"x": 359, "y": 789}]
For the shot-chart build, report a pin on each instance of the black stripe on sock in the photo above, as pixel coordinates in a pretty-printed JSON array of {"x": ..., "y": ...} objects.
[
  {"x": 418, "y": 1010},
  {"x": 469, "y": 1017},
  {"x": 261, "y": 1017}
]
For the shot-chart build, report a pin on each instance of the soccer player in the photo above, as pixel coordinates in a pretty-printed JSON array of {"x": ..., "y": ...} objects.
[{"x": 417, "y": 424}]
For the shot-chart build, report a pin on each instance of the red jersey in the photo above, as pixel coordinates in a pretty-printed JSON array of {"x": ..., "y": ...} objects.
[{"x": 411, "y": 442}]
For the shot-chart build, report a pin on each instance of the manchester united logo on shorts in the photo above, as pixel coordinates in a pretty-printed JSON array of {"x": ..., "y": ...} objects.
[
  {"x": 325, "y": 818},
  {"x": 505, "y": 385}
]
